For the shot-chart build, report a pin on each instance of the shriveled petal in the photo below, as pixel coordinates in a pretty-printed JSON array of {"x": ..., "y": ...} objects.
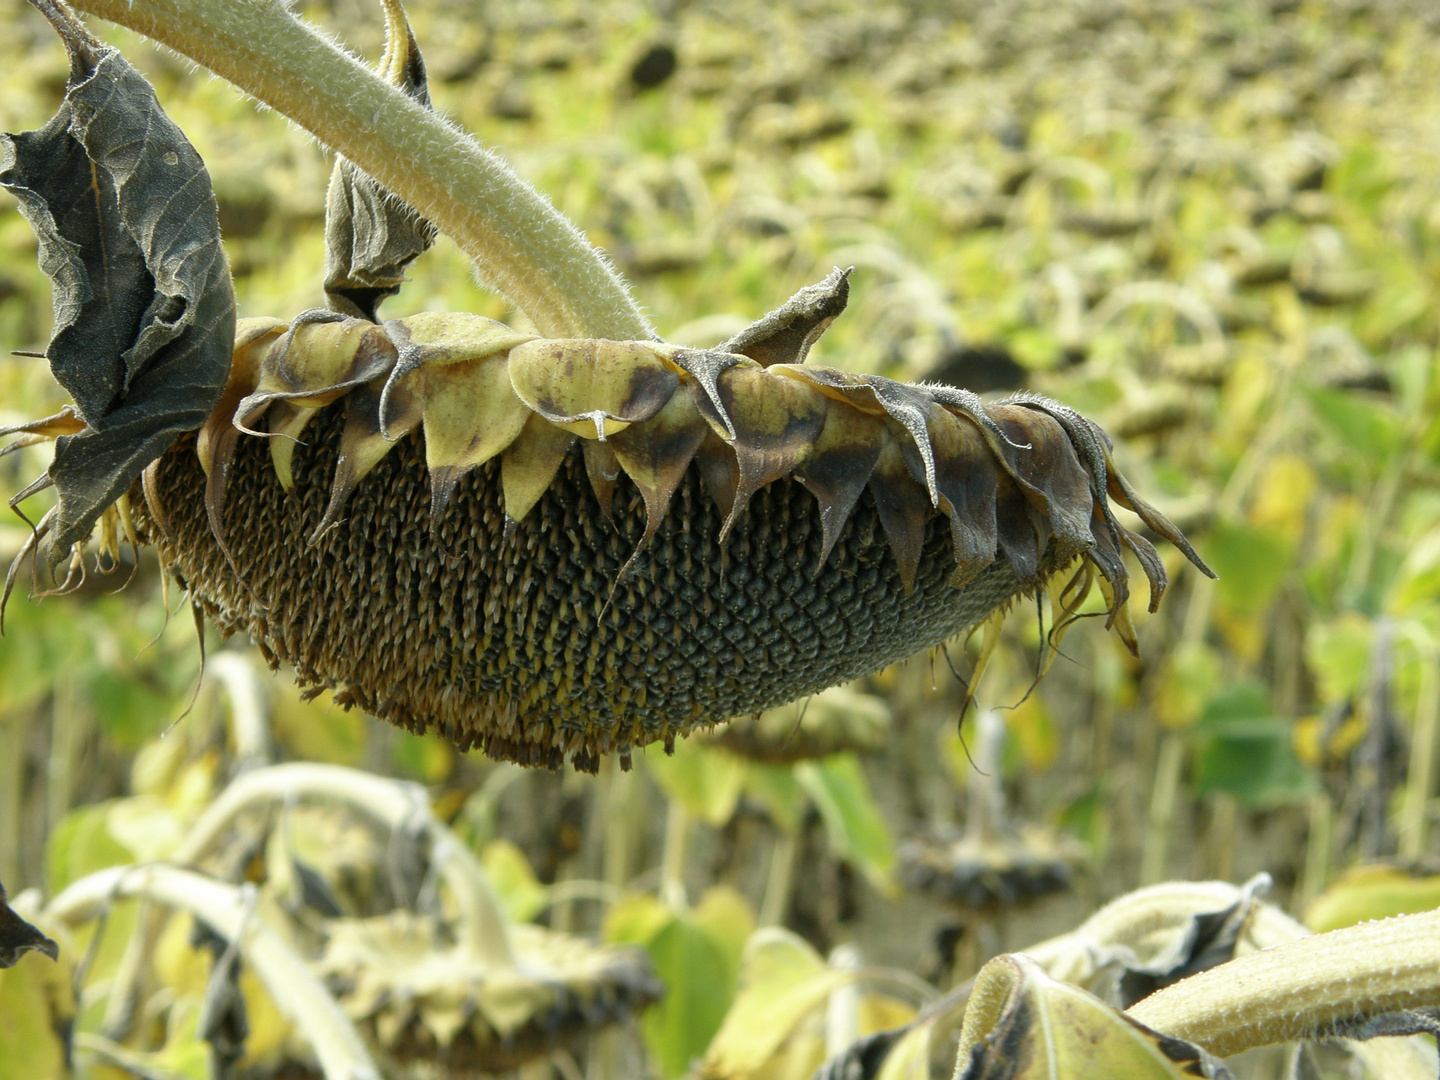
[
  {"x": 362, "y": 446},
  {"x": 315, "y": 361},
  {"x": 903, "y": 509},
  {"x": 776, "y": 421},
  {"x": 287, "y": 421},
  {"x": 705, "y": 366},
  {"x": 656, "y": 454},
  {"x": 602, "y": 469},
  {"x": 528, "y": 466},
  {"x": 1050, "y": 474},
  {"x": 470, "y": 414},
  {"x": 839, "y": 467},
  {"x": 966, "y": 476},
  {"x": 785, "y": 335}
]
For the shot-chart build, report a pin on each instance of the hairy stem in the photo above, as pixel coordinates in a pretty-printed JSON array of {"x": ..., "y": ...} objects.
[
  {"x": 524, "y": 248},
  {"x": 1304, "y": 989}
]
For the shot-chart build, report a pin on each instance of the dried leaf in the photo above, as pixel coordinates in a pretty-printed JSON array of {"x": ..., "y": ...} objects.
[
  {"x": 370, "y": 235},
  {"x": 1021, "y": 1024},
  {"x": 786, "y": 334},
  {"x": 17, "y": 936},
  {"x": 128, "y": 233}
]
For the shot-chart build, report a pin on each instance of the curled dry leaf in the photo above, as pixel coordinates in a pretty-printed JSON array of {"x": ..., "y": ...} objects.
[
  {"x": 18, "y": 937},
  {"x": 128, "y": 234},
  {"x": 371, "y": 236},
  {"x": 1021, "y": 1024}
]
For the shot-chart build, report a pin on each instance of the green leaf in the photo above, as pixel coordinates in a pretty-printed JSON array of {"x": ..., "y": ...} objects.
[
  {"x": 1372, "y": 892},
  {"x": 81, "y": 844},
  {"x": 1364, "y": 426},
  {"x": 1245, "y": 751},
  {"x": 1252, "y": 564},
  {"x": 856, "y": 828},
  {"x": 706, "y": 782},
  {"x": 783, "y": 981},
  {"x": 775, "y": 788},
  {"x": 520, "y": 892},
  {"x": 129, "y": 235},
  {"x": 696, "y": 954},
  {"x": 1338, "y": 652},
  {"x": 30, "y": 1029}
]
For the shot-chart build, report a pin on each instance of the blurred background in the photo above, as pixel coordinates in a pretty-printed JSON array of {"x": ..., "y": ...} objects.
[{"x": 1213, "y": 227}]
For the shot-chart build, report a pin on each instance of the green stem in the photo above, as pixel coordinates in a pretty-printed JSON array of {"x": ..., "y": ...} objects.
[
  {"x": 672, "y": 859},
  {"x": 1321, "y": 838},
  {"x": 1162, "y": 808},
  {"x": 776, "y": 901},
  {"x": 14, "y": 735},
  {"x": 1415, "y": 810},
  {"x": 1305, "y": 988},
  {"x": 524, "y": 248}
]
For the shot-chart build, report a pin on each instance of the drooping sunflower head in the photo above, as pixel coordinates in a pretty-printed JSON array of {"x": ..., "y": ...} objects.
[
  {"x": 556, "y": 549},
  {"x": 547, "y": 547}
]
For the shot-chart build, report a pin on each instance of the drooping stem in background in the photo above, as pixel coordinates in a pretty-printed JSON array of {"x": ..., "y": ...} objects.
[
  {"x": 672, "y": 859},
  {"x": 1420, "y": 782},
  {"x": 1321, "y": 813},
  {"x": 297, "y": 993},
  {"x": 14, "y": 736},
  {"x": 780, "y": 878},
  {"x": 523, "y": 247},
  {"x": 1170, "y": 762},
  {"x": 482, "y": 926}
]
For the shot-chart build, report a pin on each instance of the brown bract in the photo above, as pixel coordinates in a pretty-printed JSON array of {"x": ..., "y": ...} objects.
[{"x": 555, "y": 549}]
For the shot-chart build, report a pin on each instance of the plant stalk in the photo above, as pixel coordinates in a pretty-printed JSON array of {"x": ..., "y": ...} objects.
[
  {"x": 523, "y": 247},
  {"x": 1307, "y": 988}
]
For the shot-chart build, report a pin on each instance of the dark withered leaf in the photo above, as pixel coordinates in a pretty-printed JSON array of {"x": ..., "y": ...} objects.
[
  {"x": 18, "y": 937},
  {"x": 370, "y": 235},
  {"x": 129, "y": 236},
  {"x": 1208, "y": 939},
  {"x": 785, "y": 335}
]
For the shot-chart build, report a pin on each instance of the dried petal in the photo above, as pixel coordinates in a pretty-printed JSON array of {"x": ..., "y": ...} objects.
[
  {"x": 287, "y": 421},
  {"x": 775, "y": 421},
  {"x": 529, "y": 464},
  {"x": 317, "y": 359},
  {"x": 785, "y": 335},
  {"x": 438, "y": 339},
  {"x": 839, "y": 467},
  {"x": 903, "y": 510},
  {"x": 470, "y": 414},
  {"x": 656, "y": 454}
]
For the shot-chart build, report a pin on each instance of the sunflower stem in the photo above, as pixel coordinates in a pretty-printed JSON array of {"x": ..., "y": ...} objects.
[
  {"x": 1307, "y": 988},
  {"x": 523, "y": 247}
]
